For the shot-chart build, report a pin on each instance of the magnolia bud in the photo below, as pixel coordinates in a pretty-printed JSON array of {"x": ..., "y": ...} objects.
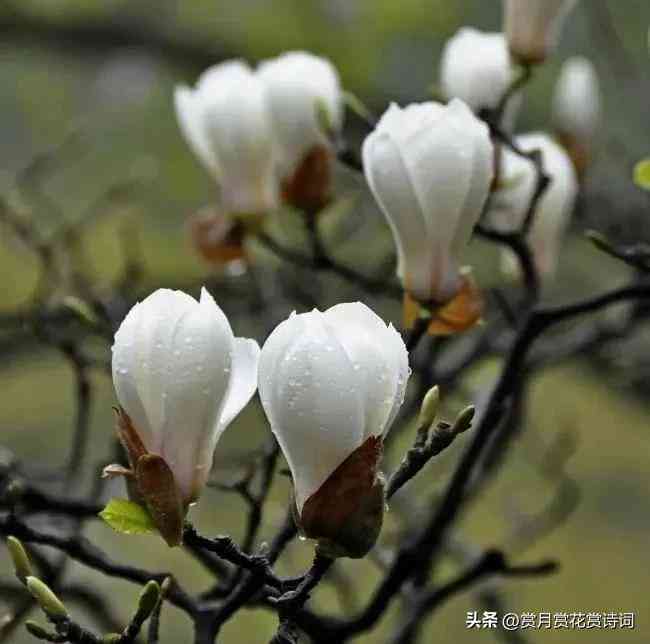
[
  {"x": 577, "y": 109},
  {"x": 20, "y": 559},
  {"x": 533, "y": 27},
  {"x": 52, "y": 606},
  {"x": 430, "y": 167},
  {"x": 181, "y": 377},
  {"x": 300, "y": 87},
  {"x": 475, "y": 67},
  {"x": 510, "y": 203},
  {"x": 331, "y": 385},
  {"x": 226, "y": 122},
  {"x": 429, "y": 407},
  {"x": 40, "y": 633},
  {"x": 149, "y": 597}
]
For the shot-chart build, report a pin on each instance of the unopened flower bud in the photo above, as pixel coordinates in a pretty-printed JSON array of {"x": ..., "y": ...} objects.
[
  {"x": 181, "y": 377},
  {"x": 37, "y": 631},
  {"x": 149, "y": 597},
  {"x": 510, "y": 203},
  {"x": 476, "y": 68},
  {"x": 430, "y": 167},
  {"x": 331, "y": 384},
  {"x": 464, "y": 420},
  {"x": 304, "y": 93},
  {"x": 22, "y": 566},
  {"x": 532, "y": 27},
  {"x": 429, "y": 407},
  {"x": 226, "y": 121},
  {"x": 52, "y": 606},
  {"x": 577, "y": 110}
]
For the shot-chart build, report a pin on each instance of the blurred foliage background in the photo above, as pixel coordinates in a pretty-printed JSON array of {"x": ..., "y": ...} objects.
[{"x": 104, "y": 73}]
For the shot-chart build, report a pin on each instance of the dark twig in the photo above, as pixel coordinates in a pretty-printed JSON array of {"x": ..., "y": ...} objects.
[{"x": 491, "y": 563}]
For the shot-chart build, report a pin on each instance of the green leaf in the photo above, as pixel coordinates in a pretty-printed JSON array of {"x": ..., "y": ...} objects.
[
  {"x": 127, "y": 517},
  {"x": 642, "y": 174}
]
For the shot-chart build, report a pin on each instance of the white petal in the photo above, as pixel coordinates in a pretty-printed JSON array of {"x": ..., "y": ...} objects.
[
  {"x": 239, "y": 129},
  {"x": 554, "y": 208},
  {"x": 475, "y": 67},
  {"x": 429, "y": 166},
  {"x": 378, "y": 357},
  {"x": 141, "y": 352},
  {"x": 226, "y": 120},
  {"x": 577, "y": 101},
  {"x": 243, "y": 381},
  {"x": 189, "y": 112},
  {"x": 481, "y": 177},
  {"x": 197, "y": 384},
  {"x": 172, "y": 363},
  {"x": 310, "y": 395},
  {"x": 440, "y": 162},
  {"x": 295, "y": 83},
  {"x": 390, "y": 183}
]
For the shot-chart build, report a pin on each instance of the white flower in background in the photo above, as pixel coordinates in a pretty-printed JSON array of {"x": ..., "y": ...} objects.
[
  {"x": 430, "y": 167},
  {"x": 577, "y": 109},
  {"x": 226, "y": 121},
  {"x": 331, "y": 383},
  {"x": 298, "y": 84},
  {"x": 182, "y": 377},
  {"x": 533, "y": 27},
  {"x": 476, "y": 68},
  {"x": 576, "y": 102},
  {"x": 511, "y": 201}
]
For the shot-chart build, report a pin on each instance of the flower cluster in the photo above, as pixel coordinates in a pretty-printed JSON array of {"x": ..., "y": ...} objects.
[
  {"x": 331, "y": 383},
  {"x": 258, "y": 131}
]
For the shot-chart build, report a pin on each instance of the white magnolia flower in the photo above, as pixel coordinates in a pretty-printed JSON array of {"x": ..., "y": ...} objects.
[
  {"x": 298, "y": 84},
  {"x": 533, "y": 27},
  {"x": 576, "y": 102},
  {"x": 182, "y": 377},
  {"x": 430, "y": 167},
  {"x": 475, "y": 67},
  {"x": 511, "y": 201},
  {"x": 226, "y": 121},
  {"x": 328, "y": 382}
]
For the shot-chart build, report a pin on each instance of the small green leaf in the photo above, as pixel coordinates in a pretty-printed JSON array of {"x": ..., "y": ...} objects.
[
  {"x": 127, "y": 517},
  {"x": 642, "y": 174}
]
